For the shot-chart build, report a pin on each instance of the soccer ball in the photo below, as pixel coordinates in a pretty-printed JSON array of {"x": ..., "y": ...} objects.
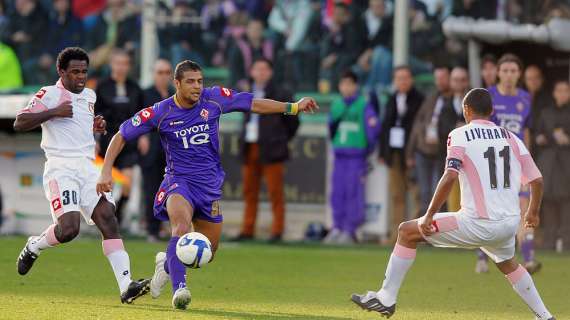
[{"x": 194, "y": 250}]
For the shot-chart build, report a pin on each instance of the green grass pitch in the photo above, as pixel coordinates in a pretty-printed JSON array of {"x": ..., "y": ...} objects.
[{"x": 257, "y": 281}]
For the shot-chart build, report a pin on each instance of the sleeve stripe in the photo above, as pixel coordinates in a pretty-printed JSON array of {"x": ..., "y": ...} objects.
[
  {"x": 456, "y": 152},
  {"x": 36, "y": 107}
]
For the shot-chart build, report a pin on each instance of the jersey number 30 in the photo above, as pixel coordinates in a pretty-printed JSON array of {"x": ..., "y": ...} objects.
[{"x": 506, "y": 155}]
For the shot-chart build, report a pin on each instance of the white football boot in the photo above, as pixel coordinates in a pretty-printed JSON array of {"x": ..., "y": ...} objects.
[{"x": 160, "y": 277}]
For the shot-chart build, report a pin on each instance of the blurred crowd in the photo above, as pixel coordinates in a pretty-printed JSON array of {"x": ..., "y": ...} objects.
[
  {"x": 310, "y": 41},
  {"x": 276, "y": 48}
]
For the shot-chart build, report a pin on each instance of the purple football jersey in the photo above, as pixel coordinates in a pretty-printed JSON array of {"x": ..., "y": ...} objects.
[
  {"x": 511, "y": 112},
  {"x": 189, "y": 137}
]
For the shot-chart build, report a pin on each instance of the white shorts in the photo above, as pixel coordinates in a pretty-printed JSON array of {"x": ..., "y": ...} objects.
[
  {"x": 69, "y": 185},
  {"x": 457, "y": 230}
]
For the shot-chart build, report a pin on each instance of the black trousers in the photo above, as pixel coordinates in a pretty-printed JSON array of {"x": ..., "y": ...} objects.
[{"x": 152, "y": 178}]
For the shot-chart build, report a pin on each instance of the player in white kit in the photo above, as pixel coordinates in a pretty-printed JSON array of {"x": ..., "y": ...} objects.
[
  {"x": 491, "y": 163},
  {"x": 65, "y": 113}
]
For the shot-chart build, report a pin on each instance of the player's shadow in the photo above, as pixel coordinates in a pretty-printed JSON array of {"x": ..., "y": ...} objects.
[{"x": 235, "y": 314}]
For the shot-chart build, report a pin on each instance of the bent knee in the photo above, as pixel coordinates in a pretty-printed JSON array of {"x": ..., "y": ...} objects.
[{"x": 408, "y": 230}]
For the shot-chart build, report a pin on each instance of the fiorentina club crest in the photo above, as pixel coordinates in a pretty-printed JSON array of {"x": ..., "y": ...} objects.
[
  {"x": 204, "y": 114},
  {"x": 520, "y": 107}
]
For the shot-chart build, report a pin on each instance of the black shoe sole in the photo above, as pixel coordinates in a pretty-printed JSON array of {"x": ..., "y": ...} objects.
[
  {"x": 385, "y": 313},
  {"x": 145, "y": 289}
]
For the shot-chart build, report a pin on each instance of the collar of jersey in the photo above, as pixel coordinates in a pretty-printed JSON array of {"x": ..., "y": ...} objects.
[
  {"x": 485, "y": 122},
  {"x": 175, "y": 99}
]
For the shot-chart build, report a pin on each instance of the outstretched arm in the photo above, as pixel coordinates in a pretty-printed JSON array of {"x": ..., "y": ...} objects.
[
  {"x": 105, "y": 182},
  {"x": 440, "y": 196},
  {"x": 268, "y": 106}
]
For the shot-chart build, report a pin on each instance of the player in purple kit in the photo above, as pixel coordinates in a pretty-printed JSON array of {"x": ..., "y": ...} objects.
[
  {"x": 512, "y": 108},
  {"x": 188, "y": 197}
]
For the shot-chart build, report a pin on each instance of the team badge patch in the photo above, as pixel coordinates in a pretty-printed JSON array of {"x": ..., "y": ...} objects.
[
  {"x": 520, "y": 106},
  {"x": 56, "y": 204},
  {"x": 136, "y": 120},
  {"x": 160, "y": 196},
  {"x": 204, "y": 114},
  {"x": 225, "y": 92},
  {"x": 146, "y": 114},
  {"x": 40, "y": 93},
  {"x": 91, "y": 107}
]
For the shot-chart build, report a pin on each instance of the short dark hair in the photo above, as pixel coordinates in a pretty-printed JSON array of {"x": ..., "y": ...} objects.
[
  {"x": 183, "y": 66},
  {"x": 349, "y": 74},
  {"x": 488, "y": 58},
  {"x": 403, "y": 67},
  {"x": 509, "y": 57},
  {"x": 560, "y": 81},
  {"x": 442, "y": 67},
  {"x": 263, "y": 59},
  {"x": 71, "y": 53},
  {"x": 479, "y": 100}
]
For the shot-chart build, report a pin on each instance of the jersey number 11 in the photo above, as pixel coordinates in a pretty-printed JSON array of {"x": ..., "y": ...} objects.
[{"x": 506, "y": 155}]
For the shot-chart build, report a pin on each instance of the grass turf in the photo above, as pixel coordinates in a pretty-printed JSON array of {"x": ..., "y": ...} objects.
[{"x": 256, "y": 281}]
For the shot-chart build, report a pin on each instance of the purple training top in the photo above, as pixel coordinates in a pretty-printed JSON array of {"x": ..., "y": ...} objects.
[
  {"x": 189, "y": 137},
  {"x": 511, "y": 112}
]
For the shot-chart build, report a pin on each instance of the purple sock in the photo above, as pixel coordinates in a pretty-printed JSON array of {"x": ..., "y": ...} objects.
[
  {"x": 166, "y": 266},
  {"x": 481, "y": 255},
  {"x": 176, "y": 269},
  {"x": 527, "y": 248}
]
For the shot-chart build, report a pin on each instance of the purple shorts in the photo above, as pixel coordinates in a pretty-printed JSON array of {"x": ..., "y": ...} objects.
[{"x": 204, "y": 202}]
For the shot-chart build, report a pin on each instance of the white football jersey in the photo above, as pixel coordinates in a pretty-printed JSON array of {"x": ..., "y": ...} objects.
[
  {"x": 66, "y": 137},
  {"x": 492, "y": 163}
]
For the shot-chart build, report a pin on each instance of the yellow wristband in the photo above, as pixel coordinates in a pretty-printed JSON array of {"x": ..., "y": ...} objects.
[{"x": 294, "y": 108}]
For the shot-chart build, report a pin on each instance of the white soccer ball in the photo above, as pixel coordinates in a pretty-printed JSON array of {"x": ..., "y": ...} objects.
[{"x": 194, "y": 250}]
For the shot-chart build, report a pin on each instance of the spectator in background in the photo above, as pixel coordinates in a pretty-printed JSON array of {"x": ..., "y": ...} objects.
[
  {"x": 400, "y": 113},
  {"x": 264, "y": 145},
  {"x": 451, "y": 117},
  {"x": 540, "y": 97},
  {"x": 425, "y": 149},
  {"x": 215, "y": 16},
  {"x": 26, "y": 34},
  {"x": 3, "y": 18},
  {"x": 245, "y": 50},
  {"x": 489, "y": 70},
  {"x": 181, "y": 38},
  {"x": 476, "y": 9},
  {"x": 116, "y": 27},
  {"x": 290, "y": 23},
  {"x": 379, "y": 31},
  {"x": 341, "y": 46},
  {"x": 354, "y": 128},
  {"x": 10, "y": 74},
  {"x": 118, "y": 98},
  {"x": 65, "y": 30},
  {"x": 553, "y": 136},
  {"x": 151, "y": 155}
]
